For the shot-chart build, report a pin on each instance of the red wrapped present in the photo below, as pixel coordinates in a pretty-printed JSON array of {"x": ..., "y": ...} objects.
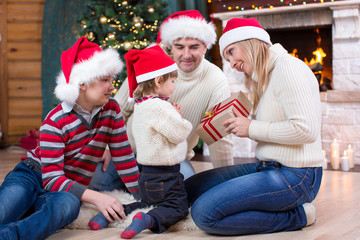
[
  {"x": 210, "y": 128},
  {"x": 31, "y": 140}
]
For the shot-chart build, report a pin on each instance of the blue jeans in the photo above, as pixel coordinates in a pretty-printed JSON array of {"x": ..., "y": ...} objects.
[
  {"x": 106, "y": 181},
  {"x": 252, "y": 198},
  {"x": 29, "y": 212},
  {"x": 162, "y": 187},
  {"x": 110, "y": 180}
]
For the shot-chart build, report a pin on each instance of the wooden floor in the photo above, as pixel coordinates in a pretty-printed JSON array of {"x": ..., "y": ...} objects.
[{"x": 337, "y": 205}]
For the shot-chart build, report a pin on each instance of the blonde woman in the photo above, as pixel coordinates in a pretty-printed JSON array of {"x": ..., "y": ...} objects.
[{"x": 275, "y": 193}]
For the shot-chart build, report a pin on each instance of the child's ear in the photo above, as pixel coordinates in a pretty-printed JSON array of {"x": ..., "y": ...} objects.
[
  {"x": 82, "y": 86},
  {"x": 158, "y": 84}
]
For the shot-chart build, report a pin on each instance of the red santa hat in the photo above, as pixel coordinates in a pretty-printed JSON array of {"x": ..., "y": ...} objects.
[
  {"x": 186, "y": 24},
  {"x": 239, "y": 29},
  {"x": 84, "y": 62},
  {"x": 147, "y": 64}
]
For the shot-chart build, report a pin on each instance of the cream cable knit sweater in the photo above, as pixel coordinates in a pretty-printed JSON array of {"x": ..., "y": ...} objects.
[
  {"x": 288, "y": 118},
  {"x": 160, "y": 133},
  {"x": 195, "y": 92}
]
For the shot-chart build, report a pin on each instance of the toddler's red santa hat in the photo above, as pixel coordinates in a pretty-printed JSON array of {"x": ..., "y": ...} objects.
[
  {"x": 186, "y": 24},
  {"x": 147, "y": 64},
  {"x": 239, "y": 29},
  {"x": 83, "y": 63}
]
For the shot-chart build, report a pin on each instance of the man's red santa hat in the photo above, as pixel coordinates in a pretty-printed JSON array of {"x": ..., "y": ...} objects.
[
  {"x": 239, "y": 29},
  {"x": 186, "y": 24},
  {"x": 83, "y": 63},
  {"x": 147, "y": 64}
]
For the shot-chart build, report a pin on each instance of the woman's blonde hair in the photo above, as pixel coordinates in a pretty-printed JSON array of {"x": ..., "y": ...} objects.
[
  {"x": 258, "y": 53},
  {"x": 148, "y": 87}
]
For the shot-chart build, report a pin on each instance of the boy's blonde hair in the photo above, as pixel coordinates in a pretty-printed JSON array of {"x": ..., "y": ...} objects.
[
  {"x": 258, "y": 53},
  {"x": 148, "y": 87}
]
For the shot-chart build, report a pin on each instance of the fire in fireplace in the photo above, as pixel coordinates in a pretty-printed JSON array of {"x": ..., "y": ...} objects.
[{"x": 314, "y": 44}]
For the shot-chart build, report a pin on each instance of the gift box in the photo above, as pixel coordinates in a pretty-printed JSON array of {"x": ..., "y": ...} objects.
[
  {"x": 210, "y": 128},
  {"x": 31, "y": 141}
]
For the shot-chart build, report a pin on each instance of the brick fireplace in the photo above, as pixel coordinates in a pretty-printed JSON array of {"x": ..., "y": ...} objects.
[{"x": 340, "y": 106}]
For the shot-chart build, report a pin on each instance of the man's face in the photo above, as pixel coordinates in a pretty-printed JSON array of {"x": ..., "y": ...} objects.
[{"x": 188, "y": 53}]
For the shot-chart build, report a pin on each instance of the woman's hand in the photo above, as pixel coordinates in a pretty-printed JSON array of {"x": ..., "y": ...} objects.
[
  {"x": 238, "y": 125},
  {"x": 106, "y": 158},
  {"x": 108, "y": 205},
  {"x": 177, "y": 107}
]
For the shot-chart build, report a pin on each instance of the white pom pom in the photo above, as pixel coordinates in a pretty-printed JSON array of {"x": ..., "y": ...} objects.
[{"x": 67, "y": 92}]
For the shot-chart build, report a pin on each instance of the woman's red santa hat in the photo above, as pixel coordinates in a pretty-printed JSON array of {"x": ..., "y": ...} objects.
[
  {"x": 147, "y": 64},
  {"x": 186, "y": 24},
  {"x": 83, "y": 63},
  {"x": 239, "y": 29}
]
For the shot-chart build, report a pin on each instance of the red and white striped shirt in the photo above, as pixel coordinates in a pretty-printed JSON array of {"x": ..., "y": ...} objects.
[{"x": 71, "y": 148}]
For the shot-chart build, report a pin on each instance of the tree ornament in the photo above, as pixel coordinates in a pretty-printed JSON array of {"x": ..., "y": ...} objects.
[
  {"x": 90, "y": 36},
  {"x": 137, "y": 22},
  {"x": 151, "y": 9},
  {"x": 111, "y": 36},
  {"x": 103, "y": 20},
  {"x": 127, "y": 45},
  {"x": 83, "y": 24}
]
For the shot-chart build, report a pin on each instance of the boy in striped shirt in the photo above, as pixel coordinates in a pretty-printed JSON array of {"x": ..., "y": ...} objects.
[{"x": 73, "y": 138}]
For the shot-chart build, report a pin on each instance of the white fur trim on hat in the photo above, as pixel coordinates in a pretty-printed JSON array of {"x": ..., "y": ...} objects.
[
  {"x": 186, "y": 27},
  {"x": 240, "y": 34},
  {"x": 151, "y": 75},
  {"x": 101, "y": 64}
]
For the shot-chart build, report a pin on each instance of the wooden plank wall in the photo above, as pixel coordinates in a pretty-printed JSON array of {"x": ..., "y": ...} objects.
[{"x": 21, "y": 58}]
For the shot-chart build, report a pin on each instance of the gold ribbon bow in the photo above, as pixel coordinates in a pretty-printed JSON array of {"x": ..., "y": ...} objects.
[{"x": 209, "y": 114}]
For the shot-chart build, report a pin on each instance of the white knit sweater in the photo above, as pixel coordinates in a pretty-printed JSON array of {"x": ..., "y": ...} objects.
[
  {"x": 288, "y": 118},
  {"x": 160, "y": 133},
  {"x": 195, "y": 92}
]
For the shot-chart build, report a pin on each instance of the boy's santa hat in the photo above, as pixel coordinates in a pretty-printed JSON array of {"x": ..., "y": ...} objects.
[
  {"x": 239, "y": 29},
  {"x": 83, "y": 63},
  {"x": 186, "y": 24},
  {"x": 147, "y": 64}
]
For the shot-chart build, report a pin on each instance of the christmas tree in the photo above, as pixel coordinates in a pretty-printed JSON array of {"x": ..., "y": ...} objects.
[{"x": 122, "y": 25}]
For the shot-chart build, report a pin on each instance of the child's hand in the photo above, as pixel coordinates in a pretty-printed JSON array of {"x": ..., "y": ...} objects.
[
  {"x": 108, "y": 205},
  {"x": 177, "y": 107},
  {"x": 106, "y": 158}
]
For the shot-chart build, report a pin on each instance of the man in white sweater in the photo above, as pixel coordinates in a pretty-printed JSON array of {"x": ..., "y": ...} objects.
[{"x": 199, "y": 86}]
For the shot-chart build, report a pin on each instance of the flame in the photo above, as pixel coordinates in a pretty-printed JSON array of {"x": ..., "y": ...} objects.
[
  {"x": 319, "y": 55},
  {"x": 294, "y": 53},
  {"x": 319, "y": 52}
]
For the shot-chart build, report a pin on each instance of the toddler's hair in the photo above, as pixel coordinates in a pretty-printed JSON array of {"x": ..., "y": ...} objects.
[{"x": 148, "y": 87}]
